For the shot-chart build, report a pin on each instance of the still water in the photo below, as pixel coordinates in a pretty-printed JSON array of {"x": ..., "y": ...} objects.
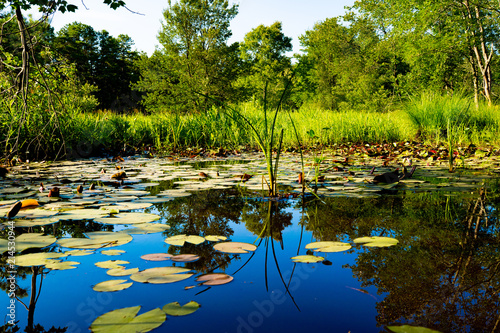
[{"x": 443, "y": 273}]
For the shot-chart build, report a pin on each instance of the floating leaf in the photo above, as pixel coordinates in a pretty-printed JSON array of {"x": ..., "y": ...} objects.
[
  {"x": 185, "y": 258},
  {"x": 28, "y": 241},
  {"x": 376, "y": 241},
  {"x": 156, "y": 256},
  {"x": 179, "y": 240},
  {"x": 111, "y": 263},
  {"x": 82, "y": 214},
  {"x": 112, "y": 285},
  {"x": 213, "y": 238},
  {"x": 215, "y": 279},
  {"x": 175, "y": 309},
  {"x": 128, "y": 218},
  {"x": 411, "y": 329},
  {"x": 307, "y": 259},
  {"x": 112, "y": 252},
  {"x": 14, "y": 209},
  {"x": 329, "y": 246},
  {"x": 96, "y": 239},
  {"x": 34, "y": 223},
  {"x": 79, "y": 252},
  {"x": 235, "y": 247},
  {"x": 37, "y": 259},
  {"x": 147, "y": 228},
  {"x": 29, "y": 203},
  {"x": 63, "y": 265},
  {"x": 121, "y": 271},
  {"x": 125, "y": 321},
  {"x": 161, "y": 275}
]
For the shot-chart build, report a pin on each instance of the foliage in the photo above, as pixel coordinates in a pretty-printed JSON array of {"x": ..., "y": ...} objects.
[
  {"x": 263, "y": 51},
  {"x": 194, "y": 59}
]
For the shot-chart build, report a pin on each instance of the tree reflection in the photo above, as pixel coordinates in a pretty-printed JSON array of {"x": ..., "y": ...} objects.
[{"x": 444, "y": 273}]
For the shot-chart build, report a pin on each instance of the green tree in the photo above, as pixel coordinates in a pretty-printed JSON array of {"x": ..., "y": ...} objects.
[
  {"x": 263, "y": 51},
  {"x": 194, "y": 59},
  {"x": 102, "y": 60},
  {"x": 344, "y": 66},
  {"x": 446, "y": 41}
]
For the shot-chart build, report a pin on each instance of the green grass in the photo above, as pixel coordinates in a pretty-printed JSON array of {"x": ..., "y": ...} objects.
[{"x": 435, "y": 119}]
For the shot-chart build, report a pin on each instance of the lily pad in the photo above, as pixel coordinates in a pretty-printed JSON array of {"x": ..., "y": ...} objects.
[
  {"x": 162, "y": 275},
  {"x": 185, "y": 258},
  {"x": 147, "y": 228},
  {"x": 112, "y": 285},
  {"x": 20, "y": 223},
  {"x": 214, "y": 279},
  {"x": 213, "y": 238},
  {"x": 37, "y": 259},
  {"x": 79, "y": 252},
  {"x": 96, "y": 239},
  {"x": 376, "y": 241},
  {"x": 307, "y": 259},
  {"x": 126, "y": 321},
  {"x": 111, "y": 263},
  {"x": 128, "y": 218},
  {"x": 156, "y": 256},
  {"x": 63, "y": 265},
  {"x": 175, "y": 309},
  {"x": 179, "y": 240},
  {"x": 112, "y": 252},
  {"x": 121, "y": 271},
  {"x": 82, "y": 214},
  {"x": 329, "y": 246},
  {"x": 28, "y": 241},
  {"x": 235, "y": 247},
  {"x": 411, "y": 329}
]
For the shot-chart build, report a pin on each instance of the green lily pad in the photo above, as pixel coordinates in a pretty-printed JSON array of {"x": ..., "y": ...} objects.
[
  {"x": 175, "y": 309},
  {"x": 112, "y": 252},
  {"x": 185, "y": 258},
  {"x": 179, "y": 240},
  {"x": 96, "y": 239},
  {"x": 82, "y": 214},
  {"x": 162, "y": 275},
  {"x": 121, "y": 271},
  {"x": 235, "y": 247},
  {"x": 20, "y": 223},
  {"x": 147, "y": 228},
  {"x": 111, "y": 263},
  {"x": 411, "y": 329},
  {"x": 376, "y": 241},
  {"x": 63, "y": 265},
  {"x": 126, "y": 321},
  {"x": 213, "y": 238},
  {"x": 329, "y": 246},
  {"x": 37, "y": 259},
  {"x": 28, "y": 241},
  {"x": 79, "y": 252},
  {"x": 129, "y": 218},
  {"x": 307, "y": 259},
  {"x": 112, "y": 285}
]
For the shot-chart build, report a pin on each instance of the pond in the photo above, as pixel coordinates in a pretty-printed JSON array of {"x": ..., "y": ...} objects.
[{"x": 421, "y": 252}]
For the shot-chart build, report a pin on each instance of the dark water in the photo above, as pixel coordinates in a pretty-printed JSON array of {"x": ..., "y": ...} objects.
[{"x": 444, "y": 273}]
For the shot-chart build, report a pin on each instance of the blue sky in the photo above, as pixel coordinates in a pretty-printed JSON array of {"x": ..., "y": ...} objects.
[{"x": 296, "y": 16}]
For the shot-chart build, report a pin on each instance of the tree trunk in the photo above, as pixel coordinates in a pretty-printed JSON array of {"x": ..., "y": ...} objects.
[{"x": 22, "y": 77}]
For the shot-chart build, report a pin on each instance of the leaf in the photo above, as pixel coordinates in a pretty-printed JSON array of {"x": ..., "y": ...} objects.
[
  {"x": 147, "y": 228},
  {"x": 96, "y": 239},
  {"x": 179, "y": 240},
  {"x": 212, "y": 238},
  {"x": 82, "y": 214},
  {"x": 235, "y": 247},
  {"x": 329, "y": 246},
  {"x": 214, "y": 279},
  {"x": 28, "y": 241},
  {"x": 162, "y": 275},
  {"x": 111, "y": 263},
  {"x": 14, "y": 209},
  {"x": 411, "y": 329},
  {"x": 121, "y": 271},
  {"x": 112, "y": 285},
  {"x": 125, "y": 321},
  {"x": 156, "y": 256},
  {"x": 79, "y": 252},
  {"x": 376, "y": 241},
  {"x": 175, "y": 309},
  {"x": 185, "y": 258},
  {"x": 37, "y": 259},
  {"x": 112, "y": 252},
  {"x": 63, "y": 265},
  {"x": 307, "y": 259},
  {"x": 128, "y": 218}
]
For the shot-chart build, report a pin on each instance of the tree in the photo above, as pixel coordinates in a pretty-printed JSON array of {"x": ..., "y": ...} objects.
[
  {"x": 194, "y": 61},
  {"x": 18, "y": 70},
  {"x": 443, "y": 37},
  {"x": 102, "y": 60},
  {"x": 344, "y": 66},
  {"x": 263, "y": 50}
]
